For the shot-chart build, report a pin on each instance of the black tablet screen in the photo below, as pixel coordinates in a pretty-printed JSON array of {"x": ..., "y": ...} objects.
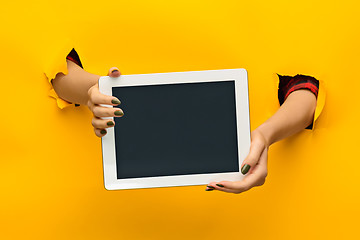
[{"x": 176, "y": 129}]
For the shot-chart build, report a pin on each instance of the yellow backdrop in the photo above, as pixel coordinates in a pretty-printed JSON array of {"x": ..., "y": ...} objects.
[{"x": 51, "y": 168}]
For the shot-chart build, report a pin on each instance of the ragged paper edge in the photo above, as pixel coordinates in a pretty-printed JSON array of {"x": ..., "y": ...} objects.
[
  {"x": 320, "y": 100},
  {"x": 56, "y": 63}
]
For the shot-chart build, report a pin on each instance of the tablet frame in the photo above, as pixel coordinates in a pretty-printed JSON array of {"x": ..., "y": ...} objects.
[{"x": 243, "y": 127}]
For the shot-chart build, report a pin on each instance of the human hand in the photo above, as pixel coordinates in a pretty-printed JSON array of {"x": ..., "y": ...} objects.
[
  {"x": 95, "y": 99},
  {"x": 255, "y": 166}
]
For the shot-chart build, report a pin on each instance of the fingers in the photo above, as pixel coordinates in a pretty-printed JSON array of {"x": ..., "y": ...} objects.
[
  {"x": 100, "y": 132},
  {"x": 100, "y": 126},
  {"x": 255, "y": 178},
  {"x": 226, "y": 186},
  {"x": 96, "y": 102},
  {"x": 114, "y": 72},
  {"x": 95, "y": 97},
  {"x": 102, "y": 123},
  {"x": 100, "y": 111}
]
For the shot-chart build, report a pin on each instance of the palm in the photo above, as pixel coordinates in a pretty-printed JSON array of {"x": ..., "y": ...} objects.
[{"x": 256, "y": 176}]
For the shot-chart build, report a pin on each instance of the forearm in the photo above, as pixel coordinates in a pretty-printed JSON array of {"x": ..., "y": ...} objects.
[
  {"x": 294, "y": 115},
  {"x": 74, "y": 86}
]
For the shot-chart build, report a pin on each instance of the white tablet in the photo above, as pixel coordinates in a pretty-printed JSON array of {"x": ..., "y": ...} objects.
[{"x": 179, "y": 129}]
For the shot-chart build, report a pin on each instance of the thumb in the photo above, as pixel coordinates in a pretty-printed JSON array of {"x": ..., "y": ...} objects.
[
  {"x": 114, "y": 72},
  {"x": 252, "y": 159}
]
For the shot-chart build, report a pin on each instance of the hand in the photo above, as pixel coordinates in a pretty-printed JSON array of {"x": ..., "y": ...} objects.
[
  {"x": 95, "y": 99},
  {"x": 255, "y": 166}
]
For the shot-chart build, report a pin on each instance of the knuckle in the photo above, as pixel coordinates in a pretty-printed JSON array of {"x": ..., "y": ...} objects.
[
  {"x": 89, "y": 92},
  {"x": 94, "y": 123},
  {"x": 95, "y": 111},
  {"x": 92, "y": 99},
  {"x": 96, "y": 98},
  {"x": 264, "y": 175},
  {"x": 103, "y": 111},
  {"x": 261, "y": 182},
  {"x": 99, "y": 111},
  {"x": 89, "y": 104},
  {"x": 96, "y": 132}
]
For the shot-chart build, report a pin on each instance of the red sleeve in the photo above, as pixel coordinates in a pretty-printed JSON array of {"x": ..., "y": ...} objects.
[
  {"x": 288, "y": 84},
  {"x": 73, "y": 56}
]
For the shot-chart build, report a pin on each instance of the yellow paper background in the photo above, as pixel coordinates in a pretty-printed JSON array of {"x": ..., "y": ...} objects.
[{"x": 51, "y": 168}]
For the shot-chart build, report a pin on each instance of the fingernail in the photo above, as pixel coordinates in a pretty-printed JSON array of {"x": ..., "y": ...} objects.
[
  {"x": 103, "y": 131},
  {"x": 209, "y": 189},
  {"x": 110, "y": 123},
  {"x": 114, "y": 71},
  {"x": 115, "y": 101},
  {"x": 245, "y": 169},
  {"x": 118, "y": 113},
  {"x": 219, "y": 185}
]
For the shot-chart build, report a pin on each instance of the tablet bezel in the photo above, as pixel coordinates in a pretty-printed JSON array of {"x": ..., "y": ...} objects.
[{"x": 243, "y": 127}]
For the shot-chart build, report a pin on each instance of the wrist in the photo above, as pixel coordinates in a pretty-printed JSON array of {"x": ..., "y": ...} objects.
[{"x": 265, "y": 133}]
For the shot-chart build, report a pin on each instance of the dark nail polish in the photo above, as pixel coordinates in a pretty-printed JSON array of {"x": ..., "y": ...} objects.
[
  {"x": 219, "y": 185},
  {"x": 110, "y": 123},
  {"x": 114, "y": 71},
  {"x": 103, "y": 131},
  {"x": 115, "y": 101},
  {"x": 118, "y": 113},
  {"x": 209, "y": 189},
  {"x": 245, "y": 169}
]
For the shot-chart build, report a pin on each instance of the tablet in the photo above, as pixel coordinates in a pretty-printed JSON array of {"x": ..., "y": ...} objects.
[{"x": 178, "y": 129}]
